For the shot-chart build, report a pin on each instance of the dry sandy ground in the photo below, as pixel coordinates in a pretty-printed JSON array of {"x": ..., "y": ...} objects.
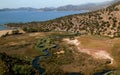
[
  {"x": 96, "y": 53},
  {"x": 3, "y": 32}
]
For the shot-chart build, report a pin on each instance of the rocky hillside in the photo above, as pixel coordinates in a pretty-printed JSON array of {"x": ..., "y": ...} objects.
[{"x": 105, "y": 22}]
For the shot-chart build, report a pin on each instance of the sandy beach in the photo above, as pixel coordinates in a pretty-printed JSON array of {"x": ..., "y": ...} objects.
[{"x": 9, "y": 31}]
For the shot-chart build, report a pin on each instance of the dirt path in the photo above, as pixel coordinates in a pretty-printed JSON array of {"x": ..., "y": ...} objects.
[{"x": 99, "y": 54}]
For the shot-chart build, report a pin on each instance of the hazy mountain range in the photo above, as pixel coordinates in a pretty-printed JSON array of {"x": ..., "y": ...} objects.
[
  {"x": 18, "y": 9},
  {"x": 88, "y": 6}
]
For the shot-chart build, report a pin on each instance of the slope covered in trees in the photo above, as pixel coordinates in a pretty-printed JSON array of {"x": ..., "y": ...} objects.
[{"x": 105, "y": 22}]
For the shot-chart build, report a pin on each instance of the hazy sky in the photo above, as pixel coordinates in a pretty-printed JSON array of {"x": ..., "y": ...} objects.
[{"x": 43, "y": 3}]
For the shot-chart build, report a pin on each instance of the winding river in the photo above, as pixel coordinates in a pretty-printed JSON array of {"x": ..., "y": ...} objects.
[
  {"x": 35, "y": 64},
  {"x": 47, "y": 53},
  {"x": 36, "y": 61}
]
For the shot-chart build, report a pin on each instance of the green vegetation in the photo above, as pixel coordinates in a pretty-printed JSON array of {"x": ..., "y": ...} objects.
[
  {"x": 43, "y": 44},
  {"x": 3, "y": 68},
  {"x": 22, "y": 69},
  {"x": 15, "y": 66}
]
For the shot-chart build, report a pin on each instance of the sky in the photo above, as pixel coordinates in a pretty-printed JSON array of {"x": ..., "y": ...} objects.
[{"x": 43, "y": 3}]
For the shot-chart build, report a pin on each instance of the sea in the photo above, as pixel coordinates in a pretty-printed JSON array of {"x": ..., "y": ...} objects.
[{"x": 29, "y": 16}]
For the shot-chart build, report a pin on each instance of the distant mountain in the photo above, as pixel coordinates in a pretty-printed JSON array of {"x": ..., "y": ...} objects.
[
  {"x": 18, "y": 9},
  {"x": 89, "y": 6},
  {"x": 47, "y": 9}
]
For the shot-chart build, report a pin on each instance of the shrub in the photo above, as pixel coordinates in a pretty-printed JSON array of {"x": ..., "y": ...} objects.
[{"x": 15, "y": 31}]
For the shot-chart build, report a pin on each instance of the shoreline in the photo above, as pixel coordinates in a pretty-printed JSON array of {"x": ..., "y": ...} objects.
[{"x": 5, "y": 27}]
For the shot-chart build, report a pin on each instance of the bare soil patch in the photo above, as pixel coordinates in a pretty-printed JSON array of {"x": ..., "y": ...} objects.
[{"x": 95, "y": 53}]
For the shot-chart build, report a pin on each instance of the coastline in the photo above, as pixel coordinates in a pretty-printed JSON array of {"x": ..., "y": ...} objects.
[{"x": 3, "y": 27}]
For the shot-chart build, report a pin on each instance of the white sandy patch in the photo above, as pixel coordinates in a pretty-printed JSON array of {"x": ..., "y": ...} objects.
[
  {"x": 75, "y": 42},
  {"x": 104, "y": 55},
  {"x": 60, "y": 52},
  {"x": 99, "y": 54}
]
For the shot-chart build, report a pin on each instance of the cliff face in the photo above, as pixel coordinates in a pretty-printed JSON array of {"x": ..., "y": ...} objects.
[{"x": 105, "y": 22}]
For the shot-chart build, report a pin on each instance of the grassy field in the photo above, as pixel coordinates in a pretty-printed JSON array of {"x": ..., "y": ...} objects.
[{"x": 66, "y": 58}]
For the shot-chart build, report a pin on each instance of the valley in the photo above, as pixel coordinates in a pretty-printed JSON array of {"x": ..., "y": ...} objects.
[
  {"x": 80, "y": 44},
  {"x": 73, "y": 52}
]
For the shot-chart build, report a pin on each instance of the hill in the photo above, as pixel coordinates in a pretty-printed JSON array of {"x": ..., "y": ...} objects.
[{"x": 105, "y": 22}]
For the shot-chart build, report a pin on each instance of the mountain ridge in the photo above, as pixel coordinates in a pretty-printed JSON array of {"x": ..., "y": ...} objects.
[
  {"x": 19, "y": 9},
  {"x": 88, "y": 6}
]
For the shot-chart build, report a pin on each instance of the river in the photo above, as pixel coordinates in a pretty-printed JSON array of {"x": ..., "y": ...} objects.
[{"x": 36, "y": 61}]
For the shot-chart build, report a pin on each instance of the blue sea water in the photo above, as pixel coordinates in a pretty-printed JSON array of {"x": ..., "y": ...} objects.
[{"x": 28, "y": 16}]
